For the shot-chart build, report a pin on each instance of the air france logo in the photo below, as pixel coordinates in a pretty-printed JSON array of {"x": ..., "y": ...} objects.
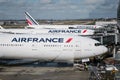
[
  {"x": 44, "y": 40},
  {"x": 69, "y": 40},
  {"x": 84, "y": 31},
  {"x": 65, "y": 31}
]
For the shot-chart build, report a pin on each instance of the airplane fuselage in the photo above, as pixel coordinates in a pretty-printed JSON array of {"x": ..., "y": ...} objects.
[
  {"x": 49, "y": 31},
  {"x": 65, "y": 26},
  {"x": 48, "y": 47}
]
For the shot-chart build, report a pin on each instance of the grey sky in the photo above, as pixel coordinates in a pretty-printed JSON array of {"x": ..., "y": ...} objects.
[{"x": 58, "y": 9}]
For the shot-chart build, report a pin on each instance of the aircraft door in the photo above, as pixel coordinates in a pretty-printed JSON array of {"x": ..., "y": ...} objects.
[{"x": 78, "y": 50}]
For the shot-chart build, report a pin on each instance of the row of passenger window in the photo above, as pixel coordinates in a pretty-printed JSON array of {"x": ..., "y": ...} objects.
[
  {"x": 11, "y": 45},
  {"x": 44, "y": 45},
  {"x": 58, "y": 45}
]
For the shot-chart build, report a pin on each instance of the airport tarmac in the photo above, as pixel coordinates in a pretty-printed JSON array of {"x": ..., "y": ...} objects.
[{"x": 42, "y": 73}]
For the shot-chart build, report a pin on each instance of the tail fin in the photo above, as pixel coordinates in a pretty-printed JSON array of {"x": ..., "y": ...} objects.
[
  {"x": 30, "y": 20},
  {"x": 1, "y": 27}
]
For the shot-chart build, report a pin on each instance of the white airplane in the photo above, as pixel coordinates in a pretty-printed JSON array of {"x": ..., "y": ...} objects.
[
  {"x": 35, "y": 25},
  {"x": 52, "y": 30},
  {"x": 49, "y": 31},
  {"x": 45, "y": 47}
]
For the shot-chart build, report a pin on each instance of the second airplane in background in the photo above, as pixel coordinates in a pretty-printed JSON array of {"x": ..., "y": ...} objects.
[
  {"x": 35, "y": 25},
  {"x": 78, "y": 32},
  {"x": 54, "y": 29}
]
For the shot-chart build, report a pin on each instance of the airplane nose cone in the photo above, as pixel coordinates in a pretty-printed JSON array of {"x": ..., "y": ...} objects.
[{"x": 105, "y": 49}]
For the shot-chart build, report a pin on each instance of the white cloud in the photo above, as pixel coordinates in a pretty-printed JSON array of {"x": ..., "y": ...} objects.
[
  {"x": 73, "y": 6},
  {"x": 91, "y": 2},
  {"x": 63, "y": 1},
  {"x": 3, "y": 1},
  {"x": 45, "y": 1}
]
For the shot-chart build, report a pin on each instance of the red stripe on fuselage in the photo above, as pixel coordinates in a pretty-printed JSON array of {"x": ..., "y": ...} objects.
[
  {"x": 69, "y": 40},
  {"x": 84, "y": 31}
]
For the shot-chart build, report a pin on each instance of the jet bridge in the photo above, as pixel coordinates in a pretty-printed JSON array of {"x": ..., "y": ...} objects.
[
  {"x": 107, "y": 35},
  {"x": 110, "y": 37}
]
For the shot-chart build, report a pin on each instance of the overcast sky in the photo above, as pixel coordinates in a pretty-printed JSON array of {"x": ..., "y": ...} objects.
[{"x": 58, "y": 9}]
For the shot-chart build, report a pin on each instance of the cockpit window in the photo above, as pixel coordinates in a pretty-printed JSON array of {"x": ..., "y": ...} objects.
[{"x": 98, "y": 44}]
